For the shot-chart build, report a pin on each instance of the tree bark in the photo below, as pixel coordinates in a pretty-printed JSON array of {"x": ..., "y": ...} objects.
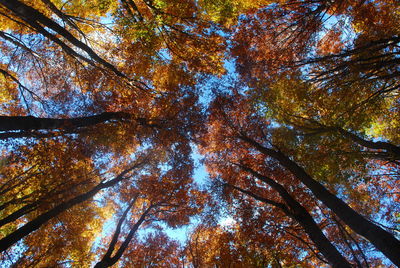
[
  {"x": 34, "y": 18},
  {"x": 36, "y": 223},
  {"x": 379, "y": 145},
  {"x": 381, "y": 239},
  {"x": 19, "y": 213},
  {"x": 107, "y": 260},
  {"x": 26, "y": 123},
  {"x": 300, "y": 214}
]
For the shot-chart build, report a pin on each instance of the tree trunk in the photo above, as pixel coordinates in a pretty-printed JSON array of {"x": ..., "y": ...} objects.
[
  {"x": 35, "y": 18},
  {"x": 107, "y": 260},
  {"x": 19, "y": 213},
  {"x": 378, "y": 145},
  {"x": 381, "y": 239},
  {"x": 35, "y": 224},
  {"x": 26, "y": 123},
  {"x": 300, "y": 214}
]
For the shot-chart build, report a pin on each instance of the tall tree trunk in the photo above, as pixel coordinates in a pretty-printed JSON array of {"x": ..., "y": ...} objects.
[
  {"x": 19, "y": 213},
  {"x": 35, "y": 224},
  {"x": 35, "y": 18},
  {"x": 27, "y": 208},
  {"x": 25, "y": 123},
  {"x": 378, "y": 145},
  {"x": 389, "y": 148},
  {"x": 381, "y": 239},
  {"x": 297, "y": 212},
  {"x": 107, "y": 260}
]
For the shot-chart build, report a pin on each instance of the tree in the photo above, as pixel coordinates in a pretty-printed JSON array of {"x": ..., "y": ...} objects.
[
  {"x": 158, "y": 199},
  {"x": 104, "y": 103},
  {"x": 31, "y": 226},
  {"x": 79, "y": 98},
  {"x": 358, "y": 44},
  {"x": 327, "y": 76},
  {"x": 296, "y": 211},
  {"x": 248, "y": 136}
]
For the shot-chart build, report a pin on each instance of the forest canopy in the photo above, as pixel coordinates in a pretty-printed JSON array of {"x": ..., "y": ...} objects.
[{"x": 268, "y": 130}]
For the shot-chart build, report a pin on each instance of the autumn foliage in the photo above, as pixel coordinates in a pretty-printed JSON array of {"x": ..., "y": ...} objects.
[{"x": 110, "y": 110}]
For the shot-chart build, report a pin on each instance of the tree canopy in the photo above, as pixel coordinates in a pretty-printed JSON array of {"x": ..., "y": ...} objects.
[{"x": 109, "y": 109}]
